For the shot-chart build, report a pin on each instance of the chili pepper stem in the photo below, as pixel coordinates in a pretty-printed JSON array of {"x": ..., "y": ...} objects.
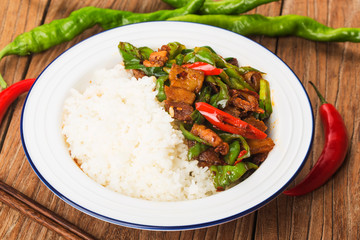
[{"x": 322, "y": 99}]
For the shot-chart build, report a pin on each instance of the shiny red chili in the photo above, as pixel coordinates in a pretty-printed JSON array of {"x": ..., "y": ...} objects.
[
  {"x": 208, "y": 69},
  {"x": 333, "y": 153},
  {"x": 8, "y": 95},
  {"x": 228, "y": 123}
]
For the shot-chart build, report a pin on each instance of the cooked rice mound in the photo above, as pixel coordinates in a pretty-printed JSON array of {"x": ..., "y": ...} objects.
[{"x": 121, "y": 137}]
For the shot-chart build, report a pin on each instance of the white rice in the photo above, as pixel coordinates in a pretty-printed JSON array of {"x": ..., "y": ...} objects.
[{"x": 121, "y": 137}]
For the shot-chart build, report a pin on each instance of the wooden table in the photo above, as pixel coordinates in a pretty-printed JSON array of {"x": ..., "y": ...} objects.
[{"x": 331, "y": 212}]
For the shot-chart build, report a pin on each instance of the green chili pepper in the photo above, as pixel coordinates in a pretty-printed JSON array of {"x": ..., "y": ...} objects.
[
  {"x": 237, "y": 78},
  {"x": 226, "y": 79},
  {"x": 196, "y": 150},
  {"x": 225, "y": 175},
  {"x": 285, "y": 25},
  {"x": 246, "y": 69},
  {"x": 145, "y": 52},
  {"x": 133, "y": 57},
  {"x": 228, "y": 137},
  {"x": 202, "y": 54},
  {"x": 234, "y": 150},
  {"x": 265, "y": 99},
  {"x": 61, "y": 30},
  {"x": 160, "y": 82},
  {"x": 224, "y": 6},
  {"x": 179, "y": 59},
  {"x": 222, "y": 97},
  {"x": 204, "y": 96},
  {"x": 188, "y": 135},
  {"x": 175, "y": 49}
]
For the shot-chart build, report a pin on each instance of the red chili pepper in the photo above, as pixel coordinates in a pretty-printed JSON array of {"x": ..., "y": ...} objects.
[
  {"x": 242, "y": 153},
  {"x": 8, "y": 95},
  {"x": 208, "y": 69},
  {"x": 333, "y": 153},
  {"x": 219, "y": 119}
]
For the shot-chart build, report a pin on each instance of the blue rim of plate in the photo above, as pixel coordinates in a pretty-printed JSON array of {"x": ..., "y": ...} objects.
[{"x": 166, "y": 228}]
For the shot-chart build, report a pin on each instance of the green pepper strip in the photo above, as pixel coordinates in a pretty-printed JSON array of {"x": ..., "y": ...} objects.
[
  {"x": 196, "y": 150},
  {"x": 265, "y": 99},
  {"x": 179, "y": 59},
  {"x": 62, "y": 30},
  {"x": 285, "y": 25},
  {"x": 175, "y": 49},
  {"x": 228, "y": 137},
  {"x": 224, "y": 6},
  {"x": 222, "y": 97},
  {"x": 133, "y": 57},
  {"x": 204, "y": 96},
  {"x": 237, "y": 78},
  {"x": 234, "y": 150},
  {"x": 160, "y": 82},
  {"x": 246, "y": 69},
  {"x": 188, "y": 135},
  {"x": 227, "y": 174}
]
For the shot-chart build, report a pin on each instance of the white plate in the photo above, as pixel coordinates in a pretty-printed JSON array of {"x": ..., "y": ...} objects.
[{"x": 291, "y": 128}]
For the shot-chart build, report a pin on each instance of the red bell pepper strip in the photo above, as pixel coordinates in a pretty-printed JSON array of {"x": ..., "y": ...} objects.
[
  {"x": 8, "y": 95},
  {"x": 333, "y": 153},
  {"x": 220, "y": 119},
  {"x": 208, "y": 69}
]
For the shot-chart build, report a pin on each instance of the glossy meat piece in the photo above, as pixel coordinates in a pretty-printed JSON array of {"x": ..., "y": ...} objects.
[
  {"x": 253, "y": 78},
  {"x": 179, "y": 95},
  {"x": 138, "y": 73},
  {"x": 178, "y": 110},
  {"x": 246, "y": 100},
  {"x": 260, "y": 145},
  {"x": 209, "y": 158},
  {"x": 186, "y": 78},
  {"x": 211, "y": 137},
  {"x": 232, "y": 110},
  {"x": 233, "y": 61},
  {"x": 156, "y": 59},
  {"x": 256, "y": 123}
]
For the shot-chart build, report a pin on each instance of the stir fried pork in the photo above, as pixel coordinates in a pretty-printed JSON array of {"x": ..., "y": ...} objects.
[
  {"x": 156, "y": 59},
  {"x": 211, "y": 137},
  {"x": 260, "y": 145},
  {"x": 209, "y": 158},
  {"x": 178, "y": 110},
  {"x": 138, "y": 73},
  {"x": 176, "y": 94},
  {"x": 186, "y": 78},
  {"x": 253, "y": 78},
  {"x": 246, "y": 100},
  {"x": 256, "y": 123}
]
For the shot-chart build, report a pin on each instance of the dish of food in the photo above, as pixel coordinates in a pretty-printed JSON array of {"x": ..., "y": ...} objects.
[
  {"x": 290, "y": 128},
  {"x": 119, "y": 135}
]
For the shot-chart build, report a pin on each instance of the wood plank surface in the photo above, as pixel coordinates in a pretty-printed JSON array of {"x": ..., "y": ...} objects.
[{"x": 331, "y": 212}]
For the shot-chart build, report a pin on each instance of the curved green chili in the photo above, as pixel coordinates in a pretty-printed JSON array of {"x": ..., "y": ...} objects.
[
  {"x": 286, "y": 25},
  {"x": 234, "y": 150},
  {"x": 160, "y": 83},
  {"x": 222, "y": 7},
  {"x": 228, "y": 137},
  {"x": 203, "y": 96},
  {"x": 222, "y": 97},
  {"x": 225, "y": 175},
  {"x": 61, "y": 30},
  {"x": 196, "y": 150},
  {"x": 265, "y": 99}
]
